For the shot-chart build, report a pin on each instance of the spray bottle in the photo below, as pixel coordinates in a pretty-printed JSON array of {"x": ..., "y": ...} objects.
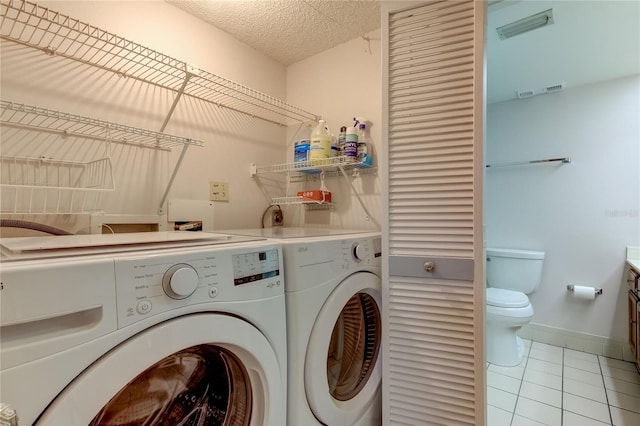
[
  {"x": 363, "y": 156},
  {"x": 351, "y": 145}
]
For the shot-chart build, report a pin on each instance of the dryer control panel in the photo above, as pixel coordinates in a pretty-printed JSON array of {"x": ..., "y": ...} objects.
[
  {"x": 152, "y": 284},
  {"x": 312, "y": 262},
  {"x": 367, "y": 250}
]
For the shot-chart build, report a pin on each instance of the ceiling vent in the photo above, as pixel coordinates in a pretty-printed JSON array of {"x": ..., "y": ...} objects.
[
  {"x": 540, "y": 90},
  {"x": 529, "y": 23}
]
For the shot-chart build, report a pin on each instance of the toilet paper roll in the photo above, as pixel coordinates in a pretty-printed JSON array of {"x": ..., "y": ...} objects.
[{"x": 584, "y": 292}]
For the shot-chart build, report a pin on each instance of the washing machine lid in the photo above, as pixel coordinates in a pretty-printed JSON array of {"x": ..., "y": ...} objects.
[
  {"x": 503, "y": 298},
  {"x": 24, "y": 248},
  {"x": 346, "y": 399},
  {"x": 167, "y": 371}
]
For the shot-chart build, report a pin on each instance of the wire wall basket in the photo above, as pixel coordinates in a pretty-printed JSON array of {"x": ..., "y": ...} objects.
[{"x": 43, "y": 185}]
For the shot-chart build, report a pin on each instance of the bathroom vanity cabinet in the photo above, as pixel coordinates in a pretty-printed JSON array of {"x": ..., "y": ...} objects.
[{"x": 633, "y": 279}]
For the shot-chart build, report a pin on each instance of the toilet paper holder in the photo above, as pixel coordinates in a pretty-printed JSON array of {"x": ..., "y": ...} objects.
[{"x": 597, "y": 291}]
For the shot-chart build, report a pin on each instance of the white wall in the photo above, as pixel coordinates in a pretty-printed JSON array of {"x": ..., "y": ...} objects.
[
  {"x": 338, "y": 84},
  {"x": 583, "y": 214},
  {"x": 232, "y": 140}
]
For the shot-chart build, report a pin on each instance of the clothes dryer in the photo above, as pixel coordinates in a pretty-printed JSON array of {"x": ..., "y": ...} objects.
[
  {"x": 333, "y": 294},
  {"x": 169, "y": 328}
]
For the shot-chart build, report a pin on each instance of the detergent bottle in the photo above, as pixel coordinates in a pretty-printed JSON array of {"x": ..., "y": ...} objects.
[{"x": 320, "y": 144}]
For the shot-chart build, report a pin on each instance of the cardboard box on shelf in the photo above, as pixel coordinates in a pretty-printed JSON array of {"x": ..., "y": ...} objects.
[{"x": 316, "y": 195}]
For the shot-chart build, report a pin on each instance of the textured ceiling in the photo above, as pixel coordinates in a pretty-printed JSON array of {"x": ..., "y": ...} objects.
[
  {"x": 589, "y": 42},
  {"x": 288, "y": 30}
]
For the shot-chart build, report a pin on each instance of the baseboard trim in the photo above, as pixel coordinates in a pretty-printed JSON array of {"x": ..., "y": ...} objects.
[{"x": 583, "y": 342}]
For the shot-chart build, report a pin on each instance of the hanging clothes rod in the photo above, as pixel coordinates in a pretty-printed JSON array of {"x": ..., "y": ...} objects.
[{"x": 523, "y": 163}]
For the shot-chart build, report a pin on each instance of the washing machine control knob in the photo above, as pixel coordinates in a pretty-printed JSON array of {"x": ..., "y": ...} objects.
[
  {"x": 180, "y": 281},
  {"x": 359, "y": 252}
]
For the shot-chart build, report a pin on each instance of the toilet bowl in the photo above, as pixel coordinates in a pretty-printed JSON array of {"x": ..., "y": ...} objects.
[
  {"x": 511, "y": 275},
  {"x": 506, "y": 312}
]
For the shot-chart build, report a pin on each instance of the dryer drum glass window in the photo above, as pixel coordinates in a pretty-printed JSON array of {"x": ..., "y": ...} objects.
[
  {"x": 354, "y": 347},
  {"x": 201, "y": 385}
]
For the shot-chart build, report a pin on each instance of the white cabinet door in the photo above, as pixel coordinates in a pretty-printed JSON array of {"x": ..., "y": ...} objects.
[{"x": 433, "y": 281}]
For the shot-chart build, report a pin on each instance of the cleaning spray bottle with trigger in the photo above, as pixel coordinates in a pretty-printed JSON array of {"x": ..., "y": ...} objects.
[
  {"x": 351, "y": 145},
  {"x": 362, "y": 143},
  {"x": 363, "y": 157}
]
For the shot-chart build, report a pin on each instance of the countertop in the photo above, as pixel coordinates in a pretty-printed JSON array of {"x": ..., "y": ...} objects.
[{"x": 633, "y": 258}]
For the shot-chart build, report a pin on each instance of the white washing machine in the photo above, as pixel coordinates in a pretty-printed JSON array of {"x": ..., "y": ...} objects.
[
  {"x": 333, "y": 293},
  {"x": 154, "y": 328}
]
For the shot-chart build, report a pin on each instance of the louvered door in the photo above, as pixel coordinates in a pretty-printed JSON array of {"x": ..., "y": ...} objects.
[{"x": 433, "y": 294}]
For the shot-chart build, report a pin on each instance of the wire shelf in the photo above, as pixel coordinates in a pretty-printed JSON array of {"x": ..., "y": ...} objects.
[
  {"x": 41, "y": 185},
  {"x": 311, "y": 167},
  {"x": 55, "y": 34},
  {"x": 307, "y": 202},
  {"x": 45, "y": 120}
]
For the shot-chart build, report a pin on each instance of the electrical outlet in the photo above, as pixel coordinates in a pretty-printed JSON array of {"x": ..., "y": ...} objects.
[{"x": 218, "y": 191}]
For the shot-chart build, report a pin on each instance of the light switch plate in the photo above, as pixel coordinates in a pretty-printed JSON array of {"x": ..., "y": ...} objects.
[{"x": 218, "y": 191}]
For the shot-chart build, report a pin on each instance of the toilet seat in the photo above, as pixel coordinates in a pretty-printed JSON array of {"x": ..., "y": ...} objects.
[{"x": 503, "y": 298}]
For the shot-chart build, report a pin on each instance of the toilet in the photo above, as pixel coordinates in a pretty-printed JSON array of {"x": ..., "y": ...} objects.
[{"x": 511, "y": 275}]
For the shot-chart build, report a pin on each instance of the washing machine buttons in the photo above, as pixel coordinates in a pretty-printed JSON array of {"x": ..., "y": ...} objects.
[
  {"x": 274, "y": 284},
  {"x": 213, "y": 292},
  {"x": 144, "y": 307}
]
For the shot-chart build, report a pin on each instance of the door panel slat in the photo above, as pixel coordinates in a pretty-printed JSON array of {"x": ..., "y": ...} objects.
[{"x": 431, "y": 372}]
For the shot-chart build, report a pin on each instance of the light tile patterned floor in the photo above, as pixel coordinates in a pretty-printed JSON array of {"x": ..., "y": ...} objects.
[{"x": 562, "y": 387}]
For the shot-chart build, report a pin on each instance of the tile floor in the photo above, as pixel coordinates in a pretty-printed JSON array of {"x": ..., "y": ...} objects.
[{"x": 558, "y": 386}]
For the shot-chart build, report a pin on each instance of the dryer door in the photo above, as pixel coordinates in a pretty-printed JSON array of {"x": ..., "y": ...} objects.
[
  {"x": 342, "y": 366},
  {"x": 203, "y": 369}
]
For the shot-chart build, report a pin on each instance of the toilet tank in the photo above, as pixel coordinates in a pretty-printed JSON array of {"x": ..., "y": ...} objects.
[{"x": 512, "y": 269}]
